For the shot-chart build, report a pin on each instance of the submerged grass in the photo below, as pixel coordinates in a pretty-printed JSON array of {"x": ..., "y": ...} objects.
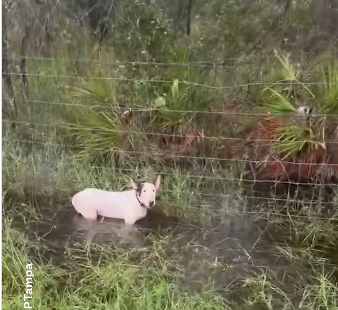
[
  {"x": 102, "y": 277},
  {"x": 112, "y": 282},
  {"x": 321, "y": 294}
]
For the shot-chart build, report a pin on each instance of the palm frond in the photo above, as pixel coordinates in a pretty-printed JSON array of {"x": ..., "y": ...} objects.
[
  {"x": 93, "y": 92},
  {"x": 287, "y": 72},
  {"x": 288, "y": 76},
  {"x": 97, "y": 134},
  {"x": 294, "y": 140},
  {"x": 177, "y": 99},
  {"x": 96, "y": 131},
  {"x": 276, "y": 103}
]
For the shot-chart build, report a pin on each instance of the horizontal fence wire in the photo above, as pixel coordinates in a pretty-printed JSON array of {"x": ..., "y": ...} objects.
[
  {"x": 267, "y": 214},
  {"x": 66, "y": 125},
  {"x": 208, "y": 177},
  {"x": 159, "y": 81},
  {"x": 198, "y": 206},
  {"x": 238, "y": 196},
  {"x": 227, "y": 114},
  {"x": 151, "y": 109},
  {"x": 225, "y": 62},
  {"x": 229, "y": 62},
  {"x": 206, "y": 158}
]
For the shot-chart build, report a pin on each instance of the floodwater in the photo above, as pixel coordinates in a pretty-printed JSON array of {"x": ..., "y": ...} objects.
[
  {"x": 222, "y": 248},
  {"x": 222, "y": 251}
]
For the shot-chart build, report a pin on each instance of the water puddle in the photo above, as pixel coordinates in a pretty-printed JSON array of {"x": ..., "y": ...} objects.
[
  {"x": 224, "y": 251},
  {"x": 221, "y": 251}
]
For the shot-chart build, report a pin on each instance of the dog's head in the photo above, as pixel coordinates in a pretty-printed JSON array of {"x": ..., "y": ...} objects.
[{"x": 146, "y": 192}]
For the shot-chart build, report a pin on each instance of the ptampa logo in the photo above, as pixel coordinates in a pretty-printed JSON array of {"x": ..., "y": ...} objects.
[{"x": 28, "y": 295}]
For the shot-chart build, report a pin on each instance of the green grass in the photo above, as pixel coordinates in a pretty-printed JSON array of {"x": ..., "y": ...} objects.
[{"x": 322, "y": 295}]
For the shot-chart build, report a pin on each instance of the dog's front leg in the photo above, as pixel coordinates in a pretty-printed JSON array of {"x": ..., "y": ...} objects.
[
  {"x": 129, "y": 221},
  {"x": 129, "y": 234}
]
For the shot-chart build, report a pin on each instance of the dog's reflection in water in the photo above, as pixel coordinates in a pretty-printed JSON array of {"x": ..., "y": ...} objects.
[{"x": 105, "y": 230}]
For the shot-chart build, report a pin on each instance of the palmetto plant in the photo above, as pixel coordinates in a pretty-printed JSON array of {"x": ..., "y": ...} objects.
[
  {"x": 97, "y": 93},
  {"x": 329, "y": 92},
  {"x": 299, "y": 134},
  {"x": 97, "y": 134},
  {"x": 295, "y": 140},
  {"x": 97, "y": 129},
  {"x": 287, "y": 71},
  {"x": 177, "y": 99},
  {"x": 286, "y": 77}
]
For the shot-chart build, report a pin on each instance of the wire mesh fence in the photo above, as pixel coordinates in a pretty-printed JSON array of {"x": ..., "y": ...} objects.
[
  {"x": 243, "y": 134},
  {"x": 46, "y": 124}
]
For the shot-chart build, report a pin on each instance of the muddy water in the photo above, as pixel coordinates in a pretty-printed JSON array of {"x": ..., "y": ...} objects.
[{"x": 223, "y": 251}]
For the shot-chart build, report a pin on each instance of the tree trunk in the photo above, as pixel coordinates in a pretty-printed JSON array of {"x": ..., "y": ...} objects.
[
  {"x": 179, "y": 17},
  {"x": 189, "y": 9},
  {"x": 9, "y": 103},
  {"x": 23, "y": 66}
]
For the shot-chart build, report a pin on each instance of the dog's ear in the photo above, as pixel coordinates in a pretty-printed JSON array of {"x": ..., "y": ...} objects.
[
  {"x": 157, "y": 183},
  {"x": 132, "y": 185}
]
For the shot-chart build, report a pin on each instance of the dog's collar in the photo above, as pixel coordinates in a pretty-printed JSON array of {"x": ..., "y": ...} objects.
[{"x": 140, "y": 202}]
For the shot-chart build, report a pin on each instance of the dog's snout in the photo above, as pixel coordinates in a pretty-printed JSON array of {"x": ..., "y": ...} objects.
[{"x": 152, "y": 203}]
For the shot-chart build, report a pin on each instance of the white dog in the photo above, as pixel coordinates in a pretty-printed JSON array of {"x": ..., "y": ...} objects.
[{"x": 130, "y": 205}]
